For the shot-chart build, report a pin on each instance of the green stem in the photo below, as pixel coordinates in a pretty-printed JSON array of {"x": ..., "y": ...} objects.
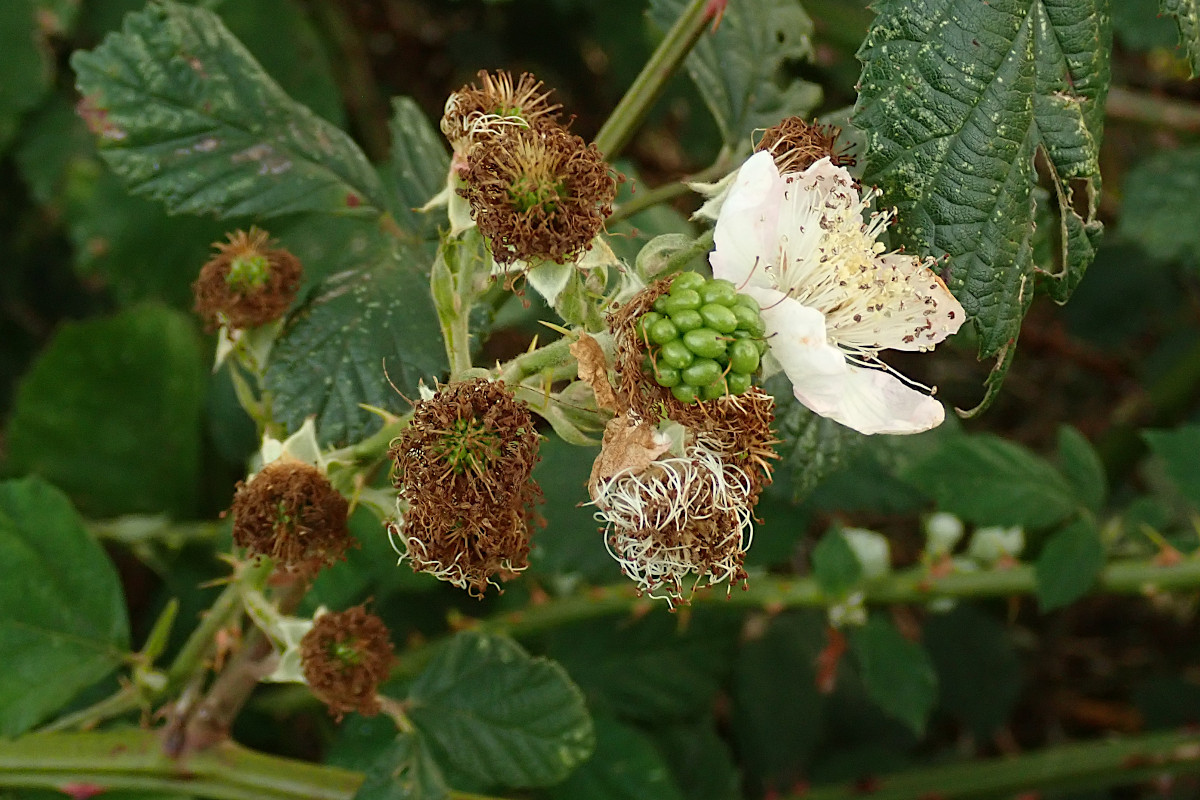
[
  {"x": 134, "y": 530},
  {"x": 375, "y": 446},
  {"x": 649, "y": 84},
  {"x": 134, "y": 760},
  {"x": 1077, "y": 766},
  {"x": 661, "y": 194},
  {"x": 909, "y": 586},
  {"x": 228, "y": 605}
]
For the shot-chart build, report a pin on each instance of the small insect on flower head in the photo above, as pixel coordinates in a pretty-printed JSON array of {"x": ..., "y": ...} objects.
[
  {"x": 247, "y": 283},
  {"x": 345, "y": 656},
  {"x": 290, "y": 512},
  {"x": 538, "y": 194},
  {"x": 831, "y": 298},
  {"x": 463, "y": 467}
]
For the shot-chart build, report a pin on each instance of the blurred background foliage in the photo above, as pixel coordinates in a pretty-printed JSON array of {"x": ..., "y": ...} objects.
[{"x": 105, "y": 392}]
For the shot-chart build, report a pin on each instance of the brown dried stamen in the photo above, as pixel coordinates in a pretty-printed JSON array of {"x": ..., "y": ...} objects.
[
  {"x": 247, "y": 283},
  {"x": 463, "y": 466},
  {"x": 290, "y": 512},
  {"x": 538, "y": 194},
  {"x": 474, "y": 113},
  {"x": 796, "y": 145},
  {"x": 345, "y": 656}
]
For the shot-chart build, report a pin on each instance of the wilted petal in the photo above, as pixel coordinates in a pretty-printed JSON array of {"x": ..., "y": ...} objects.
[
  {"x": 747, "y": 232},
  {"x": 867, "y": 400}
]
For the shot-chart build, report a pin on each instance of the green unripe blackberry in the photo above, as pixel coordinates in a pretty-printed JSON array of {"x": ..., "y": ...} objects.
[{"x": 703, "y": 339}]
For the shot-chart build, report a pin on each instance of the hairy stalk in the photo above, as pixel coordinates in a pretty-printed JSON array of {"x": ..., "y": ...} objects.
[
  {"x": 189, "y": 662},
  {"x": 134, "y": 760},
  {"x": 1077, "y": 766},
  {"x": 648, "y": 85},
  {"x": 555, "y": 354},
  {"x": 209, "y": 721},
  {"x": 1151, "y": 109}
]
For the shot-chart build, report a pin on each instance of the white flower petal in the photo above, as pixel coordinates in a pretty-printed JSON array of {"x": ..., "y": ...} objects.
[
  {"x": 867, "y": 400},
  {"x": 747, "y": 235}
]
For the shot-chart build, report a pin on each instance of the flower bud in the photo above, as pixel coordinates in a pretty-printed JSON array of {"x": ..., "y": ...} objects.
[
  {"x": 345, "y": 656},
  {"x": 248, "y": 283}
]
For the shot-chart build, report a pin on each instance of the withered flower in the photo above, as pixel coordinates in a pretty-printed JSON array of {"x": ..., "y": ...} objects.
[
  {"x": 796, "y": 145},
  {"x": 681, "y": 520},
  {"x": 290, "y": 512},
  {"x": 247, "y": 283},
  {"x": 538, "y": 194},
  {"x": 345, "y": 657},
  {"x": 463, "y": 466},
  {"x": 474, "y": 113}
]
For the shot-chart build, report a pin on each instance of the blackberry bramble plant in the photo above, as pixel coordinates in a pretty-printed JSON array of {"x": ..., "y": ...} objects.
[{"x": 611, "y": 425}]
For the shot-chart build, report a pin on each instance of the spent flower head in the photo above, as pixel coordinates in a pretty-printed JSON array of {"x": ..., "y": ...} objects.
[
  {"x": 345, "y": 656},
  {"x": 247, "y": 283},
  {"x": 497, "y": 103},
  {"x": 831, "y": 298},
  {"x": 680, "y": 522},
  {"x": 289, "y": 511},
  {"x": 463, "y": 467},
  {"x": 538, "y": 194}
]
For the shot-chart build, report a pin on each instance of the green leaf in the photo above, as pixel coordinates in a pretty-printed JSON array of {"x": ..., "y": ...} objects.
[
  {"x": 419, "y": 166},
  {"x": 129, "y": 244},
  {"x": 812, "y": 446},
  {"x": 1187, "y": 17},
  {"x": 738, "y": 68},
  {"x": 1138, "y": 25},
  {"x": 570, "y": 544},
  {"x": 625, "y": 766},
  {"x": 834, "y": 564},
  {"x": 405, "y": 770},
  {"x": 184, "y": 114},
  {"x": 25, "y": 27},
  {"x": 989, "y": 481},
  {"x": 62, "y": 612},
  {"x": 650, "y": 670},
  {"x": 1068, "y": 565},
  {"x": 979, "y": 674},
  {"x": 1081, "y": 467},
  {"x": 360, "y": 333},
  {"x": 959, "y": 99},
  {"x": 1159, "y": 211},
  {"x": 700, "y": 760},
  {"x": 111, "y": 414},
  {"x": 1178, "y": 449},
  {"x": 284, "y": 42},
  {"x": 777, "y": 724},
  {"x": 491, "y": 711},
  {"x": 896, "y": 673}
]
